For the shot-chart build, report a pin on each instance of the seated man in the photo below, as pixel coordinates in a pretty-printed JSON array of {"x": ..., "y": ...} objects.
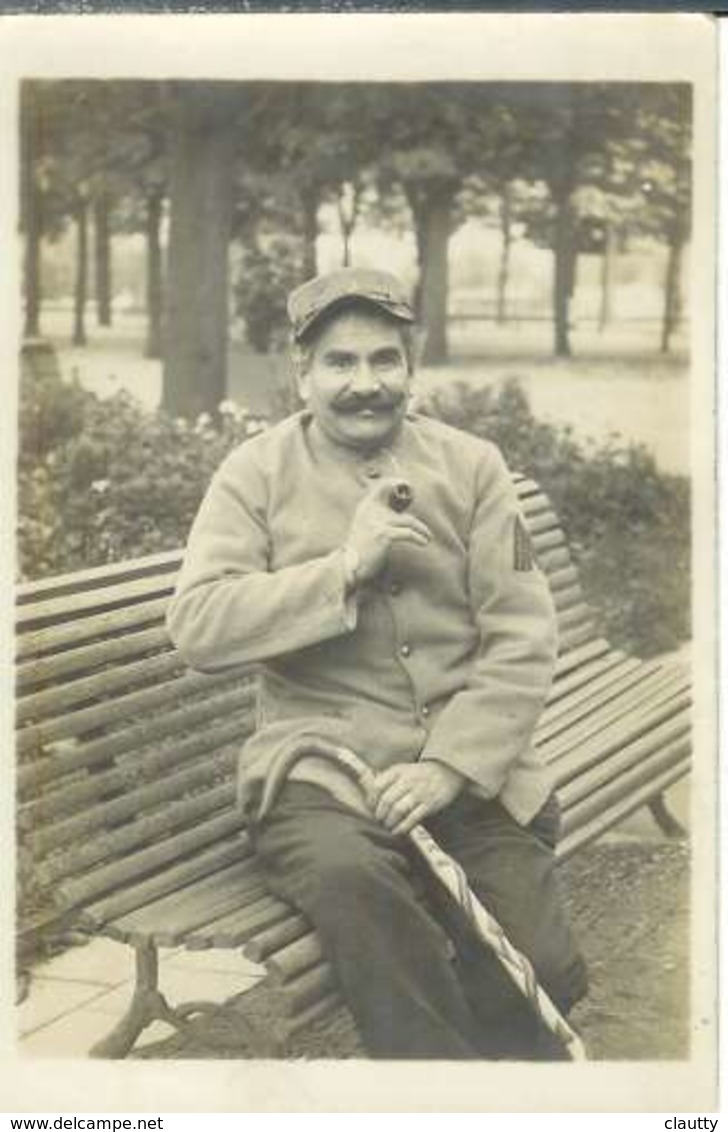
[{"x": 421, "y": 639}]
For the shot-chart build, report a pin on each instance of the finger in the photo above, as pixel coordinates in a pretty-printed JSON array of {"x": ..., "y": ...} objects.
[
  {"x": 409, "y": 522},
  {"x": 413, "y": 818},
  {"x": 406, "y": 536},
  {"x": 382, "y": 780},
  {"x": 394, "y": 804}
]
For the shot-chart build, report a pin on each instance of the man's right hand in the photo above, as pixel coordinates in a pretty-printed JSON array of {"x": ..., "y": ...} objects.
[{"x": 375, "y": 527}]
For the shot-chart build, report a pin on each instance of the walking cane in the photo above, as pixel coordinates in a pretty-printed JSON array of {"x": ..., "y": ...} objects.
[{"x": 449, "y": 873}]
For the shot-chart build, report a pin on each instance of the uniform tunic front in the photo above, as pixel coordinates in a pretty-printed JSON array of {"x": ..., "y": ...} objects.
[{"x": 447, "y": 655}]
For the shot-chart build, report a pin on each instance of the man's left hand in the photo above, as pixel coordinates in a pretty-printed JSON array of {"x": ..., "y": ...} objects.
[{"x": 405, "y": 794}]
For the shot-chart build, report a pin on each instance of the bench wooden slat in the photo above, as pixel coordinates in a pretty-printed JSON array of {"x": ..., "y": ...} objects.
[
  {"x": 109, "y": 850},
  {"x": 573, "y": 616},
  {"x": 144, "y": 799},
  {"x": 264, "y": 943},
  {"x": 665, "y": 690},
  {"x": 668, "y": 737},
  {"x": 591, "y": 696},
  {"x": 568, "y": 663},
  {"x": 558, "y": 558},
  {"x": 42, "y": 642},
  {"x": 548, "y": 540},
  {"x": 133, "y": 770},
  {"x": 45, "y": 771},
  {"x": 130, "y": 706},
  {"x": 75, "y": 605},
  {"x": 616, "y": 812},
  {"x": 328, "y": 1005},
  {"x": 641, "y": 773},
  {"x": 525, "y": 487},
  {"x": 542, "y": 522},
  {"x": 663, "y": 729},
  {"x": 297, "y": 957},
  {"x": 570, "y": 597},
  {"x": 99, "y": 577},
  {"x": 61, "y": 665},
  {"x": 306, "y": 988},
  {"x": 572, "y": 639},
  {"x": 200, "y": 902},
  {"x": 246, "y": 923},
  {"x": 534, "y": 504},
  {"x": 171, "y": 880},
  {"x": 235, "y": 927},
  {"x": 42, "y": 705},
  {"x": 596, "y": 662},
  {"x": 563, "y": 578}
]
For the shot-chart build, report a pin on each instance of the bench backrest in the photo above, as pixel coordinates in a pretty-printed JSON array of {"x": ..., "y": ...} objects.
[{"x": 126, "y": 758}]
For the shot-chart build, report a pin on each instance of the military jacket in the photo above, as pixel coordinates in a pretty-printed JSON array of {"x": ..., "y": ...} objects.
[{"x": 447, "y": 655}]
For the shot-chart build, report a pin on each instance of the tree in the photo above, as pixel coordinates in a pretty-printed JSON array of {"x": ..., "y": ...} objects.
[
  {"x": 31, "y": 198},
  {"x": 202, "y": 151},
  {"x": 431, "y": 141},
  {"x": 663, "y": 169},
  {"x": 573, "y": 134},
  {"x": 80, "y": 290},
  {"x": 102, "y": 255}
]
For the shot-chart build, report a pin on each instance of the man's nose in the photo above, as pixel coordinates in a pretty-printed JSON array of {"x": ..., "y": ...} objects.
[{"x": 364, "y": 378}]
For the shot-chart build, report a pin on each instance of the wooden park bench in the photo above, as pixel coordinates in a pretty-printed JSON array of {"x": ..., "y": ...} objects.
[{"x": 126, "y": 764}]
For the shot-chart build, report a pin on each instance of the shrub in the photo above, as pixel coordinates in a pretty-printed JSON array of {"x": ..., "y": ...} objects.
[
  {"x": 265, "y": 277},
  {"x": 121, "y": 483},
  {"x": 628, "y": 523}
]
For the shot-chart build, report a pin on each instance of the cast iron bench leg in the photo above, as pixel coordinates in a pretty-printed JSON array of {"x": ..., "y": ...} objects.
[
  {"x": 666, "y": 820},
  {"x": 148, "y": 1004}
]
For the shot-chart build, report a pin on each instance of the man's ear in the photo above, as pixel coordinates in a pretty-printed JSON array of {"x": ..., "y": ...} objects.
[{"x": 298, "y": 358}]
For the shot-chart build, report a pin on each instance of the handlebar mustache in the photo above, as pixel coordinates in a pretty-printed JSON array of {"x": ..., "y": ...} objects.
[{"x": 352, "y": 404}]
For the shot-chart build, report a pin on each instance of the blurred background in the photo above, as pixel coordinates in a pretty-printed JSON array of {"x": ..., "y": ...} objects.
[{"x": 543, "y": 228}]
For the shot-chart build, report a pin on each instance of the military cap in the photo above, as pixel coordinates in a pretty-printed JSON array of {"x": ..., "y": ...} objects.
[{"x": 309, "y": 301}]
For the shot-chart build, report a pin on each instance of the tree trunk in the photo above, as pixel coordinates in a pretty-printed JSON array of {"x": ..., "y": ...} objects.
[
  {"x": 153, "y": 346},
  {"x": 102, "y": 232},
  {"x": 31, "y": 210},
  {"x": 605, "y": 306},
  {"x": 564, "y": 272},
  {"x": 310, "y": 201},
  {"x": 33, "y": 262},
  {"x": 347, "y": 220},
  {"x": 79, "y": 305},
  {"x": 196, "y": 322},
  {"x": 671, "y": 308},
  {"x": 505, "y": 256},
  {"x": 432, "y": 214}
]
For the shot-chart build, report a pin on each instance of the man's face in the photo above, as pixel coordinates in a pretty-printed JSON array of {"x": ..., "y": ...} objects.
[{"x": 357, "y": 382}]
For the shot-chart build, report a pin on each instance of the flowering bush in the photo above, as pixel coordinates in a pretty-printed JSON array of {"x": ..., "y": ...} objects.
[{"x": 120, "y": 483}]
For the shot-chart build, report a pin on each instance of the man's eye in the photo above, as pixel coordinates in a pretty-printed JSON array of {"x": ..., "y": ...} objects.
[
  {"x": 387, "y": 361},
  {"x": 340, "y": 362}
]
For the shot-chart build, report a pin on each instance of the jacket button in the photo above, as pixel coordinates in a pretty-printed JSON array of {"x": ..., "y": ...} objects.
[
  {"x": 372, "y": 473},
  {"x": 395, "y": 588},
  {"x": 406, "y": 649},
  {"x": 424, "y": 711}
]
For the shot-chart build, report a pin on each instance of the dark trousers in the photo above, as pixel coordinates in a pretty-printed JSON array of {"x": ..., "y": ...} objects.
[{"x": 389, "y": 928}]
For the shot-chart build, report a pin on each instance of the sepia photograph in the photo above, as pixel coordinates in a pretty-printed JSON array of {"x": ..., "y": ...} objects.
[{"x": 364, "y": 694}]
